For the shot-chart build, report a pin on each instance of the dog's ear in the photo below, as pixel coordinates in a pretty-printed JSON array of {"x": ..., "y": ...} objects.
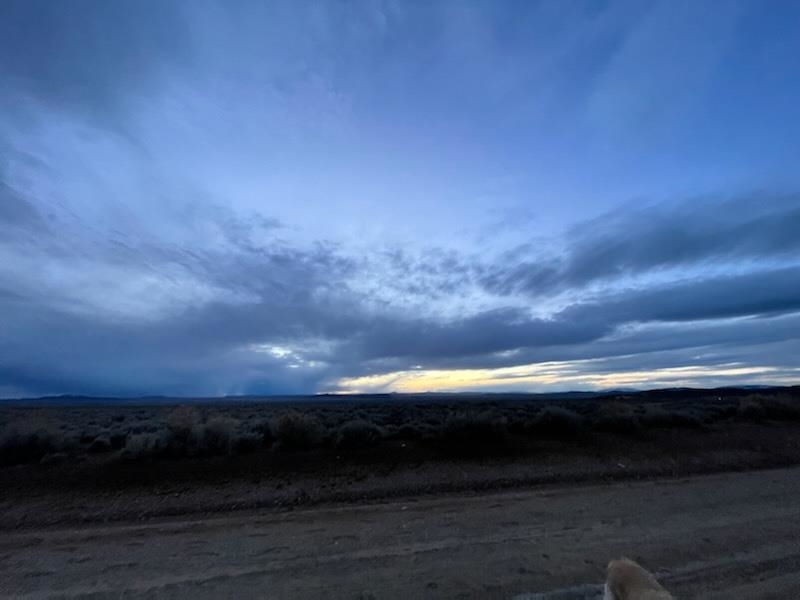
[{"x": 629, "y": 581}]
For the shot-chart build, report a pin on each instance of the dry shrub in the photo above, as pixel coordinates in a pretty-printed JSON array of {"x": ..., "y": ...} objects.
[
  {"x": 617, "y": 417},
  {"x": 757, "y": 407},
  {"x": 54, "y": 458},
  {"x": 659, "y": 417},
  {"x": 117, "y": 439},
  {"x": 185, "y": 435},
  {"x": 263, "y": 430},
  {"x": 556, "y": 420},
  {"x": 181, "y": 422},
  {"x": 409, "y": 431},
  {"x": 468, "y": 433},
  {"x": 145, "y": 445},
  {"x": 100, "y": 445},
  {"x": 714, "y": 414},
  {"x": 19, "y": 447},
  {"x": 297, "y": 431},
  {"x": 247, "y": 442},
  {"x": 217, "y": 436},
  {"x": 357, "y": 434}
]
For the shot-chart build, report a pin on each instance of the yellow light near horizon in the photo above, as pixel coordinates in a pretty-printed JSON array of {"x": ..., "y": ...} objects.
[{"x": 572, "y": 373}]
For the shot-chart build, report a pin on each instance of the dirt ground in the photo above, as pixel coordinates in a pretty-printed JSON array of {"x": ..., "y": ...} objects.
[
  {"x": 733, "y": 535},
  {"x": 103, "y": 491}
]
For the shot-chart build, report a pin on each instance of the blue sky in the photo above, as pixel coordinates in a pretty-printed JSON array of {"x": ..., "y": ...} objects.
[{"x": 262, "y": 197}]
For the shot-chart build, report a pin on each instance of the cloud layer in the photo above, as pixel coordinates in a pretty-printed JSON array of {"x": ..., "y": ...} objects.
[{"x": 108, "y": 315}]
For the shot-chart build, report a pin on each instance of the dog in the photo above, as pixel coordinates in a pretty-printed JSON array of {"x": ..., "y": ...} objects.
[{"x": 628, "y": 581}]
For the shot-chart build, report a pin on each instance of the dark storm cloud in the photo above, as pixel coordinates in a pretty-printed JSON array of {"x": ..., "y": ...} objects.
[
  {"x": 777, "y": 341},
  {"x": 288, "y": 318},
  {"x": 642, "y": 345},
  {"x": 494, "y": 331},
  {"x": 634, "y": 241},
  {"x": 88, "y": 54},
  {"x": 271, "y": 292},
  {"x": 770, "y": 341},
  {"x": 275, "y": 300},
  {"x": 760, "y": 293},
  {"x": 422, "y": 341},
  {"x": 46, "y": 349}
]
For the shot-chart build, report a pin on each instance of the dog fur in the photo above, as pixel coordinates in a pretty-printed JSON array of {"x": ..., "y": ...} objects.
[{"x": 628, "y": 581}]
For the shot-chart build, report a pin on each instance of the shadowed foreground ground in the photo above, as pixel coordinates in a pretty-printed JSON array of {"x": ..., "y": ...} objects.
[{"x": 732, "y": 535}]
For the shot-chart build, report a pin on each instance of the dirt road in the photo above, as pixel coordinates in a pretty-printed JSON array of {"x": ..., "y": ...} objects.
[{"x": 734, "y": 535}]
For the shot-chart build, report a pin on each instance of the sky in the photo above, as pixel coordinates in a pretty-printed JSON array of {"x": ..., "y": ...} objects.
[{"x": 203, "y": 197}]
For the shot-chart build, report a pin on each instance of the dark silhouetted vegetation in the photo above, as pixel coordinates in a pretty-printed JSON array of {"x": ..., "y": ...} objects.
[
  {"x": 617, "y": 417},
  {"x": 454, "y": 428},
  {"x": 474, "y": 433},
  {"x": 357, "y": 434},
  {"x": 297, "y": 431},
  {"x": 558, "y": 421},
  {"x": 761, "y": 408},
  {"x": 18, "y": 447}
]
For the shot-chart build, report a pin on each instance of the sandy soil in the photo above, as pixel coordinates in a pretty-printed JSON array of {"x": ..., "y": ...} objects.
[{"x": 734, "y": 535}]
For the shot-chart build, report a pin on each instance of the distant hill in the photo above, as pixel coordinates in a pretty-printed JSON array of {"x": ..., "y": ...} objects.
[{"x": 662, "y": 393}]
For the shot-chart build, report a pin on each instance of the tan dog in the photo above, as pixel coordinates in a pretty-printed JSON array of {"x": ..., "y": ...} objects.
[{"x": 628, "y": 581}]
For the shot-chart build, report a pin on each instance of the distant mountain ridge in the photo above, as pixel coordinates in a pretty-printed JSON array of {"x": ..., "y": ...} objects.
[{"x": 684, "y": 392}]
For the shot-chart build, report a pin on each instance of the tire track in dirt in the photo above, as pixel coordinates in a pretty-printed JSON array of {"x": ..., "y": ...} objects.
[{"x": 722, "y": 536}]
